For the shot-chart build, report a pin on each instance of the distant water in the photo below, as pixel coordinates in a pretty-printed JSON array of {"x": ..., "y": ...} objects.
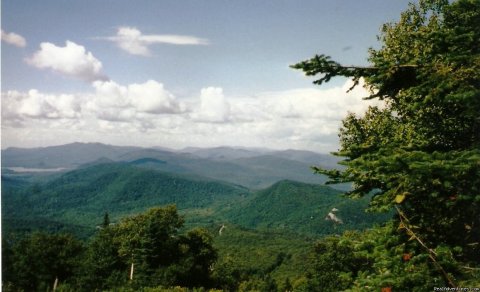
[{"x": 26, "y": 169}]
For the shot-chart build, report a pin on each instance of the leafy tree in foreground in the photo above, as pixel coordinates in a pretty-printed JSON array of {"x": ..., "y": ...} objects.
[
  {"x": 420, "y": 153},
  {"x": 42, "y": 261},
  {"x": 103, "y": 266}
]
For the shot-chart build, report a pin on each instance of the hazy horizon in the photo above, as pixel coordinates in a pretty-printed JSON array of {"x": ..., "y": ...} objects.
[{"x": 186, "y": 148}]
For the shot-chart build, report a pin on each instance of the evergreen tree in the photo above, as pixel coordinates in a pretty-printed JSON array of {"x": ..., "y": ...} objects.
[
  {"x": 103, "y": 267},
  {"x": 419, "y": 153},
  {"x": 106, "y": 220},
  {"x": 198, "y": 256}
]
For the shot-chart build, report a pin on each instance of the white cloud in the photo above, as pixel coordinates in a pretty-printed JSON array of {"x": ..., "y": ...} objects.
[
  {"x": 109, "y": 94},
  {"x": 13, "y": 39},
  {"x": 307, "y": 118},
  {"x": 213, "y": 106},
  {"x": 135, "y": 104},
  {"x": 316, "y": 103},
  {"x": 151, "y": 97},
  {"x": 20, "y": 107},
  {"x": 132, "y": 40},
  {"x": 71, "y": 60},
  {"x": 297, "y": 104},
  {"x": 115, "y": 102}
]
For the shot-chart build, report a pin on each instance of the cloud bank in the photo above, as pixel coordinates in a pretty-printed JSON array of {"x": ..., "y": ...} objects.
[
  {"x": 18, "y": 107},
  {"x": 131, "y": 40},
  {"x": 148, "y": 114},
  {"x": 13, "y": 39},
  {"x": 71, "y": 60}
]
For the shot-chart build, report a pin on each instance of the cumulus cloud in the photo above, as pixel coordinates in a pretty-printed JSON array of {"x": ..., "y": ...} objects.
[
  {"x": 213, "y": 106},
  {"x": 71, "y": 60},
  {"x": 135, "y": 104},
  {"x": 151, "y": 97},
  {"x": 131, "y": 40},
  {"x": 296, "y": 104},
  {"x": 317, "y": 103},
  {"x": 13, "y": 39},
  {"x": 115, "y": 102},
  {"x": 18, "y": 106}
]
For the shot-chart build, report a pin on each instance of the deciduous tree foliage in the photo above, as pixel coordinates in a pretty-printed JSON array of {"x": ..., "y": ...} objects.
[
  {"x": 149, "y": 241},
  {"x": 41, "y": 259},
  {"x": 419, "y": 152}
]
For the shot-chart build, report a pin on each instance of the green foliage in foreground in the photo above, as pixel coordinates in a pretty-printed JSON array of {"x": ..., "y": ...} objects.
[
  {"x": 236, "y": 259},
  {"x": 140, "y": 251},
  {"x": 420, "y": 152},
  {"x": 379, "y": 258}
]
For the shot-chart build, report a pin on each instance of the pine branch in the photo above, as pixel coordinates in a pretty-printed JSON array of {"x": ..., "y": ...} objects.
[
  {"x": 322, "y": 64},
  {"x": 431, "y": 253}
]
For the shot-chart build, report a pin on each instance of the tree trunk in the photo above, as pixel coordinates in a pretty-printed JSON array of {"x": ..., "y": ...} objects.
[
  {"x": 55, "y": 284},
  {"x": 131, "y": 272}
]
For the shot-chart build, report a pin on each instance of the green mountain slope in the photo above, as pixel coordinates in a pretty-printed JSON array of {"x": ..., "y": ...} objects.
[
  {"x": 302, "y": 208},
  {"x": 81, "y": 197}
]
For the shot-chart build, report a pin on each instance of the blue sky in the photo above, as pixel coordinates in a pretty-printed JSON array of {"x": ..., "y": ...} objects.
[{"x": 181, "y": 73}]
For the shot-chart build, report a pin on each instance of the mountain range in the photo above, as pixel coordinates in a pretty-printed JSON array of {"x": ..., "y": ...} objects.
[
  {"x": 252, "y": 168},
  {"x": 252, "y": 188}
]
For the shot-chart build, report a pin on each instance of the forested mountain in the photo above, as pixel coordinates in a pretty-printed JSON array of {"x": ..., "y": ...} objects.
[
  {"x": 256, "y": 233},
  {"x": 82, "y": 196},
  {"x": 303, "y": 208}
]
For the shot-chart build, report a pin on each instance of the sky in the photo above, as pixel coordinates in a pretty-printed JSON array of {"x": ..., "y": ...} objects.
[{"x": 176, "y": 73}]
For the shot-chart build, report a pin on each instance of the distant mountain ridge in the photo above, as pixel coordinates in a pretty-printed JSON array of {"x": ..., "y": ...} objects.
[
  {"x": 224, "y": 152},
  {"x": 253, "y": 168},
  {"x": 68, "y": 155}
]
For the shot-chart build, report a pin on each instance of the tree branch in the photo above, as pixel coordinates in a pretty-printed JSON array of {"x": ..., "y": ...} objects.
[{"x": 431, "y": 253}]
